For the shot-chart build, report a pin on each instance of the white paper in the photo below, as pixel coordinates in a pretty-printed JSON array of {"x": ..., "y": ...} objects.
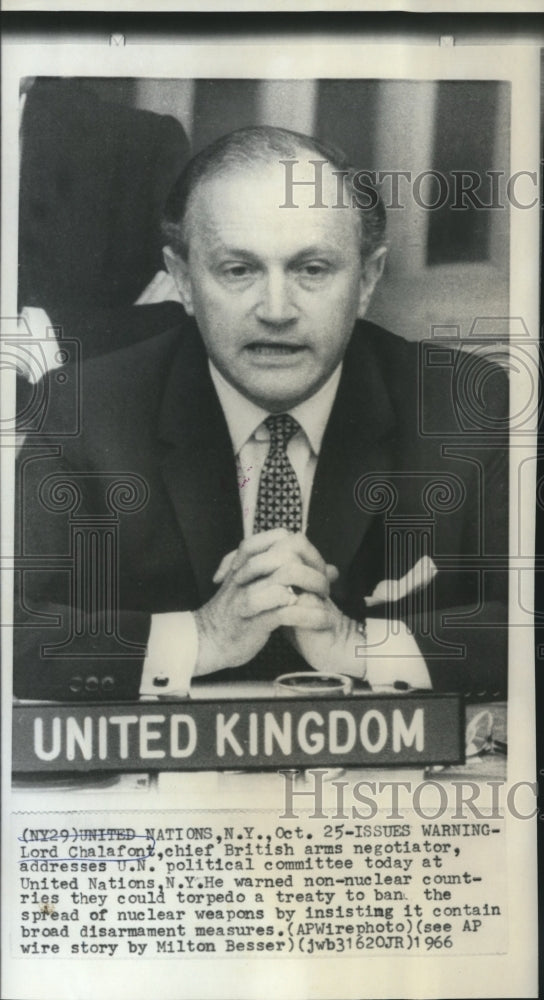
[{"x": 221, "y": 812}]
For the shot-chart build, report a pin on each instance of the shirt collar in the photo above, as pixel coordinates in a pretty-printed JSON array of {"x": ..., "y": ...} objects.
[{"x": 244, "y": 417}]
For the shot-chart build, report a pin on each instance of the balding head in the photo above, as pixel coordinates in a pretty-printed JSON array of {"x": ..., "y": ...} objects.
[{"x": 249, "y": 148}]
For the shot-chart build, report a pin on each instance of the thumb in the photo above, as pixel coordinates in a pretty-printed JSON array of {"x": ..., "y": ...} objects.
[{"x": 224, "y": 566}]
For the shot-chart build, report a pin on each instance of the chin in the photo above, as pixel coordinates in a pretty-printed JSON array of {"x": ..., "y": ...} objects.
[
  {"x": 277, "y": 404},
  {"x": 279, "y": 395}
]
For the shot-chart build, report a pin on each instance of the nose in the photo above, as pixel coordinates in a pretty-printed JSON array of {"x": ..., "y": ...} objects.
[{"x": 276, "y": 305}]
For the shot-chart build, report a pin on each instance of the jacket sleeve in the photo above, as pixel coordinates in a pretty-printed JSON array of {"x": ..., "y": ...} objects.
[{"x": 460, "y": 620}]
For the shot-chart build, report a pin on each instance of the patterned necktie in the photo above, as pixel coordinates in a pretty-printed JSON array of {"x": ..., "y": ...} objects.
[
  {"x": 279, "y": 505},
  {"x": 279, "y": 500}
]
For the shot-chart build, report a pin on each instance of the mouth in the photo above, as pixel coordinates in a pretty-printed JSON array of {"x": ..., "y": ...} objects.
[{"x": 273, "y": 349}]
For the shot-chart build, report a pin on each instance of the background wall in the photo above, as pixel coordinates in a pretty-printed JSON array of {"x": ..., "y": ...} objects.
[{"x": 446, "y": 268}]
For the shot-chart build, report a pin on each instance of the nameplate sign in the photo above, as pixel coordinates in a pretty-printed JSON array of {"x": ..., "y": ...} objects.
[{"x": 387, "y": 730}]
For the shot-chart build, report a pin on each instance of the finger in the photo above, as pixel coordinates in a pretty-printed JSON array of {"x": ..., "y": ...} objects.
[
  {"x": 316, "y": 618},
  {"x": 306, "y": 600},
  {"x": 298, "y": 543},
  {"x": 305, "y": 578},
  {"x": 280, "y": 566},
  {"x": 261, "y": 599},
  {"x": 246, "y": 549},
  {"x": 224, "y": 566},
  {"x": 266, "y": 562},
  {"x": 258, "y": 543}
]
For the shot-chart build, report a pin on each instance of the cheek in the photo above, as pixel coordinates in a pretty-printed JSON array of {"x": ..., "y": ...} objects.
[
  {"x": 335, "y": 314},
  {"x": 340, "y": 296},
  {"x": 204, "y": 297},
  {"x": 218, "y": 322},
  {"x": 217, "y": 303}
]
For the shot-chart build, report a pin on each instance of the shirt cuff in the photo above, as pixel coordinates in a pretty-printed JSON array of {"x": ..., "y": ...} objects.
[
  {"x": 38, "y": 350},
  {"x": 172, "y": 651},
  {"x": 392, "y": 654}
]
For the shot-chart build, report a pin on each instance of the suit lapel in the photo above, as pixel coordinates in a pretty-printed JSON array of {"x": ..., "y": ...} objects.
[
  {"x": 199, "y": 469},
  {"x": 198, "y": 464},
  {"x": 359, "y": 439}
]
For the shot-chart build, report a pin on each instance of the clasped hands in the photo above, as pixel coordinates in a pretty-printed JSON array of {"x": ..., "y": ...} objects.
[{"x": 274, "y": 579}]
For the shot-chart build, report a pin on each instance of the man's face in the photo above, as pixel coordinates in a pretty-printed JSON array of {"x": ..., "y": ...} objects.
[{"x": 275, "y": 291}]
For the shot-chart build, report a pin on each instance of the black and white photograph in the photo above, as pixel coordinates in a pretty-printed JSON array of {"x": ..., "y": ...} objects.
[
  {"x": 251, "y": 460},
  {"x": 269, "y": 343}
]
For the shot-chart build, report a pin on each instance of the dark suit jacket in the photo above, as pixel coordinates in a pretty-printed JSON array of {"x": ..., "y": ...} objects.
[
  {"x": 409, "y": 466},
  {"x": 94, "y": 179}
]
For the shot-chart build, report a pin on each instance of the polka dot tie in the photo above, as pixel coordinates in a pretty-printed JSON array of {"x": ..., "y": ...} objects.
[{"x": 279, "y": 500}]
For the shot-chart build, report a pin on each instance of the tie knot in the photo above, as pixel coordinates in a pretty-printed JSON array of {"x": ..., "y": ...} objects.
[{"x": 282, "y": 427}]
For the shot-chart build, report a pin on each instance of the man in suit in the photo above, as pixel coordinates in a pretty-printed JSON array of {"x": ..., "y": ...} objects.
[
  {"x": 283, "y": 462},
  {"x": 93, "y": 181}
]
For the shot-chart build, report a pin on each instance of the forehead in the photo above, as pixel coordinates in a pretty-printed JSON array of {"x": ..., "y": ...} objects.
[{"x": 244, "y": 208}]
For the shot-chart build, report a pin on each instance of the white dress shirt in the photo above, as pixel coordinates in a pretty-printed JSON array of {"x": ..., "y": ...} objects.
[
  {"x": 251, "y": 440},
  {"x": 173, "y": 640}
]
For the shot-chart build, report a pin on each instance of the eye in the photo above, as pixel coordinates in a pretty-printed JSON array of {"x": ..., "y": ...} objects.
[
  {"x": 236, "y": 270},
  {"x": 314, "y": 269}
]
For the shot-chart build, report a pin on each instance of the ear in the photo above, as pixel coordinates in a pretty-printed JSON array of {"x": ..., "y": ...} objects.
[
  {"x": 372, "y": 272},
  {"x": 179, "y": 270}
]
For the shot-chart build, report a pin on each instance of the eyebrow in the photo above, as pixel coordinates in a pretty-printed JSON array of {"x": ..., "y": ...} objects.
[
  {"x": 316, "y": 251},
  {"x": 222, "y": 249}
]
